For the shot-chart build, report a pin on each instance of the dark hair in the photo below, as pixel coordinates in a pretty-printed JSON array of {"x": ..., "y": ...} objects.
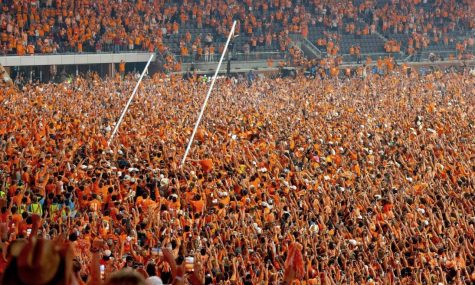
[
  {"x": 151, "y": 269},
  {"x": 73, "y": 236}
]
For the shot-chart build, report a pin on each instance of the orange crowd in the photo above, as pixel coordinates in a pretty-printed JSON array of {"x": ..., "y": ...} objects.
[
  {"x": 363, "y": 180},
  {"x": 30, "y": 27}
]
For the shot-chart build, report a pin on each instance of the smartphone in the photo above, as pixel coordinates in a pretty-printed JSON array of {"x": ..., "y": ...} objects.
[
  {"x": 102, "y": 268},
  {"x": 189, "y": 263}
]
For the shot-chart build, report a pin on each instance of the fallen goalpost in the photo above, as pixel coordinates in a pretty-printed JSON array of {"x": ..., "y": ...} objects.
[
  {"x": 121, "y": 118},
  {"x": 207, "y": 95},
  {"x": 116, "y": 128}
]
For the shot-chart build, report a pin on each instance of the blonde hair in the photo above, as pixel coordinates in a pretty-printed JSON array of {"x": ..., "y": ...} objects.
[{"x": 126, "y": 277}]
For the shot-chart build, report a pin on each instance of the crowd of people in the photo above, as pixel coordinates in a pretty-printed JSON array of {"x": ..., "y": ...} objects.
[
  {"x": 435, "y": 19},
  {"x": 362, "y": 180},
  {"x": 437, "y": 22},
  {"x": 30, "y": 27}
]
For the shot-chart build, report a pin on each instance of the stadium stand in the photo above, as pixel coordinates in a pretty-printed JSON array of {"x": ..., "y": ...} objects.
[{"x": 185, "y": 28}]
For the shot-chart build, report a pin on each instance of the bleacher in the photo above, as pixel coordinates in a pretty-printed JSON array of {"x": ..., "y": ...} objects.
[
  {"x": 108, "y": 39},
  {"x": 368, "y": 44}
]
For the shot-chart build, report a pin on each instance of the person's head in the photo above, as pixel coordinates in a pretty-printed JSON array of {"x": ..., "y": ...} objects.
[
  {"x": 151, "y": 269},
  {"x": 154, "y": 280},
  {"x": 73, "y": 236},
  {"x": 126, "y": 277},
  {"x": 129, "y": 261}
]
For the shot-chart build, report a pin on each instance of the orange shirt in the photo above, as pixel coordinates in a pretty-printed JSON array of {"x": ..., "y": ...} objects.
[
  {"x": 95, "y": 205},
  {"x": 206, "y": 165},
  {"x": 198, "y": 206},
  {"x": 20, "y": 49}
]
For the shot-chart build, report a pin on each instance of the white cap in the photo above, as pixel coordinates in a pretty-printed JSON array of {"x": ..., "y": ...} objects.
[
  {"x": 314, "y": 228},
  {"x": 164, "y": 182}
]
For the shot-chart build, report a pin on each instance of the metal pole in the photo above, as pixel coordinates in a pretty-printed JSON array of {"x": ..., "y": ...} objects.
[
  {"x": 128, "y": 102},
  {"x": 207, "y": 95}
]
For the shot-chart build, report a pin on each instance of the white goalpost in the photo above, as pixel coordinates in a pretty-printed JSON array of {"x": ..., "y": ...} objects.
[
  {"x": 200, "y": 116},
  {"x": 116, "y": 128},
  {"x": 208, "y": 95}
]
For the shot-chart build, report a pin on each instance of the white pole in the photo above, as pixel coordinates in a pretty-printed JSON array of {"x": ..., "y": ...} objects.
[
  {"x": 128, "y": 102},
  {"x": 207, "y": 95}
]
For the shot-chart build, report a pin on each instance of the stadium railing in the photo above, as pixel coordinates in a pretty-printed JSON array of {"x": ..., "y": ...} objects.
[{"x": 235, "y": 57}]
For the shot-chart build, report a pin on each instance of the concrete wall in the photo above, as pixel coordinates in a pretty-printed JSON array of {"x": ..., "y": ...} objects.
[
  {"x": 236, "y": 66},
  {"x": 73, "y": 59}
]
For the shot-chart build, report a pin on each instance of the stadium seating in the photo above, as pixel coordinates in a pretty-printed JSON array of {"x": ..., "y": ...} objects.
[{"x": 62, "y": 27}]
